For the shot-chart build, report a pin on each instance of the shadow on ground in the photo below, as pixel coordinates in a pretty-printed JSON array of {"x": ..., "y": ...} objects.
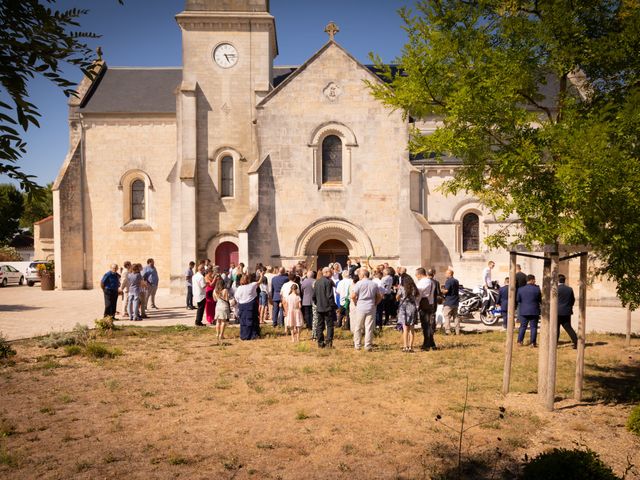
[
  {"x": 620, "y": 384},
  {"x": 18, "y": 308}
]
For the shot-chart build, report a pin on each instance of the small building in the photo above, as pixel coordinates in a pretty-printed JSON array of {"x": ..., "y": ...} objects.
[{"x": 43, "y": 246}]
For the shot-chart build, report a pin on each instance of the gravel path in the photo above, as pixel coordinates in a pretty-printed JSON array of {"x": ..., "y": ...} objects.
[{"x": 29, "y": 312}]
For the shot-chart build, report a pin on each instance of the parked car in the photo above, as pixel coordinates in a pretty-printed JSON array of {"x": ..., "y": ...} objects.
[
  {"x": 31, "y": 273},
  {"x": 9, "y": 274}
]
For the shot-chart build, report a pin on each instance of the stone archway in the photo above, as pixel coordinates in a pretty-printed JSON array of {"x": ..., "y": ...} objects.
[{"x": 309, "y": 242}]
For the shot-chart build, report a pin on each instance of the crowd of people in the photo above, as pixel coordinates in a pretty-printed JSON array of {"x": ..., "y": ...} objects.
[
  {"x": 135, "y": 284},
  {"x": 354, "y": 297},
  {"x": 359, "y": 298}
]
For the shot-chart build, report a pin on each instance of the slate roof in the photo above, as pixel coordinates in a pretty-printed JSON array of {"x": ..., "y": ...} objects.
[
  {"x": 149, "y": 90},
  {"x": 133, "y": 90}
]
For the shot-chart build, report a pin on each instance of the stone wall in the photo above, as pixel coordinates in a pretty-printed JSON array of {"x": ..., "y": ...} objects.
[
  {"x": 114, "y": 147},
  {"x": 374, "y": 143}
]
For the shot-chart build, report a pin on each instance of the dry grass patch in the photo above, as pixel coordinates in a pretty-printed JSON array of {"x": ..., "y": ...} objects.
[{"x": 174, "y": 402}]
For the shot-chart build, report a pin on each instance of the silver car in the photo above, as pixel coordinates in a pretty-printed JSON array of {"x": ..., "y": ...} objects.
[
  {"x": 32, "y": 275},
  {"x": 9, "y": 274}
]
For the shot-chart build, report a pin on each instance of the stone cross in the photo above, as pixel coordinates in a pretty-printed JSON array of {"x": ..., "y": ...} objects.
[{"x": 331, "y": 29}]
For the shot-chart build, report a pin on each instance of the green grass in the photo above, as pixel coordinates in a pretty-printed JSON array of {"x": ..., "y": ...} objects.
[{"x": 101, "y": 350}]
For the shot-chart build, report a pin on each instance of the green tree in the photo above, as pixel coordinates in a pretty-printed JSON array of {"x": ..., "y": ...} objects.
[
  {"x": 540, "y": 101},
  {"x": 35, "y": 40},
  {"x": 37, "y": 207},
  {"x": 11, "y": 208}
]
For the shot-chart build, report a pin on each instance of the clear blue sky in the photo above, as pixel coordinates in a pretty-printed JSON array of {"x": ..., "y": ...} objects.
[{"x": 144, "y": 33}]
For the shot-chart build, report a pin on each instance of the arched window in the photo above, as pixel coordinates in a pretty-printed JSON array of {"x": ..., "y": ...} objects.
[
  {"x": 332, "y": 159},
  {"x": 470, "y": 233},
  {"x": 226, "y": 176},
  {"x": 137, "y": 200}
]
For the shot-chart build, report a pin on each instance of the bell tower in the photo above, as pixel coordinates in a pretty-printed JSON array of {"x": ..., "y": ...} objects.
[{"x": 228, "y": 47}]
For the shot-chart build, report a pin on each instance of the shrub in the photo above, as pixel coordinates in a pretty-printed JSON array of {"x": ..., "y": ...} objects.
[
  {"x": 633, "y": 423},
  {"x": 105, "y": 324},
  {"x": 563, "y": 464},
  {"x": 78, "y": 336},
  {"x": 9, "y": 254},
  {"x": 6, "y": 350},
  {"x": 72, "y": 350},
  {"x": 100, "y": 350}
]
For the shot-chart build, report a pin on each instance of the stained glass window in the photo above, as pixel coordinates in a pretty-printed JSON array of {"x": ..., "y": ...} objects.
[
  {"x": 137, "y": 200},
  {"x": 470, "y": 233},
  {"x": 332, "y": 160}
]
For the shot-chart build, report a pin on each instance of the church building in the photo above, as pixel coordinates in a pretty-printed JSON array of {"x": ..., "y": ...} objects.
[{"x": 233, "y": 158}]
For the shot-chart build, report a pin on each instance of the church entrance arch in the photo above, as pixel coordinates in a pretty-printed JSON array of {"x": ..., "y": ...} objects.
[
  {"x": 332, "y": 251},
  {"x": 332, "y": 237},
  {"x": 226, "y": 253}
]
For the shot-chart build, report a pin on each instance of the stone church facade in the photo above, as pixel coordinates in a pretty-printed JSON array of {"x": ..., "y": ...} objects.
[{"x": 234, "y": 159}]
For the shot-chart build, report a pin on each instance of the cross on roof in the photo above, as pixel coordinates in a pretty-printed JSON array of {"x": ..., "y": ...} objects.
[{"x": 331, "y": 29}]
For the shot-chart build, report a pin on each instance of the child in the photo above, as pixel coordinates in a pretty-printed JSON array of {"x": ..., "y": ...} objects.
[{"x": 293, "y": 312}]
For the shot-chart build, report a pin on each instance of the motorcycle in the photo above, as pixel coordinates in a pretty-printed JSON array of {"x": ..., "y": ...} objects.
[{"x": 480, "y": 300}]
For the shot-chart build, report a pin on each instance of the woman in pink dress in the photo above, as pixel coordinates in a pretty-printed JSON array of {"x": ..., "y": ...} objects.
[
  {"x": 210, "y": 303},
  {"x": 293, "y": 312}
]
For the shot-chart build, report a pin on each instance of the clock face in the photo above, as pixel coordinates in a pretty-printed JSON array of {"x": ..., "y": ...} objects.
[{"x": 225, "y": 55}]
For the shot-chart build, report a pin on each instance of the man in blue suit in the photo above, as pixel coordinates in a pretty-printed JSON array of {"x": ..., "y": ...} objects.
[
  {"x": 276, "y": 285},
  {"x": 566, "y": 299},
  {"x": 503, "y": 301},
  {"x": 528, "y": 299}
]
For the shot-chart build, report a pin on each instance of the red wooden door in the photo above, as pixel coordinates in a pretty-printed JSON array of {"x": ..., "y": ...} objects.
[{"x": 226, "y": 253}]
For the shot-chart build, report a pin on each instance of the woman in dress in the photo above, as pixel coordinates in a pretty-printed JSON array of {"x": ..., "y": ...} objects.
[
  {"x": 246, "y": 296},
  {"x": 407, "y": 297},
  {"x": 223, "y": 308},
  {"x": 293, "y": 312},
  {"x": 210, "y": 303}
]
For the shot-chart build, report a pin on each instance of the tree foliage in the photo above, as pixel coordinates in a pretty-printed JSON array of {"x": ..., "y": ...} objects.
[
  {"x": 540, "y": 101},
  {"x": 35, "y": 40},
  {"x": 11, "y": 208},
  {"x": 37, "y": 207}
]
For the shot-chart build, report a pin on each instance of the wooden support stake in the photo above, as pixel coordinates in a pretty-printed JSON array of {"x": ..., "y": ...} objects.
[
  {"x": 511, "y": 322},
  {"x": 543, "y": 331},
  {"x": 627, "y": 342},
  {"x": 552, "y": 337},
  {"x": 582, "y": 329}
]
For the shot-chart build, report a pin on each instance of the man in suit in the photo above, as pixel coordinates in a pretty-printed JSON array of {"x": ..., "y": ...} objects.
[
  {"x": 325, "y": 302},
  {"x": 276, "y": 285},
  {"x": 529, "y": 298},
  {"x": 566, "y": 299}
]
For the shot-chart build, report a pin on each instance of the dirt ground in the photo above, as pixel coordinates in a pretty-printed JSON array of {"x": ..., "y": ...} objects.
[{"x": 176, "y": 404}]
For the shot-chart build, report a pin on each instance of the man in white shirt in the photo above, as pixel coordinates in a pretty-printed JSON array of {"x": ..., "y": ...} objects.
[
  {"x": 426, "y": 287},
  {"x": 286, "y": 288},
  {"x": 365, "y": 295},
  {"x": 486, "y": 275},
  {"x": 199, "y": 286},
  {"x": 344, "y": 291}
]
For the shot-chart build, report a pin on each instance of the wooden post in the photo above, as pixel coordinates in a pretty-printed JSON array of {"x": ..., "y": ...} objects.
[
  {"x": 552, "y": 337},
  {"x": 582, "y": 329},
  {"x": 543, "y": 330},
  {"x": 627, "y": 342},
  {"x": 511, "y": 322}
]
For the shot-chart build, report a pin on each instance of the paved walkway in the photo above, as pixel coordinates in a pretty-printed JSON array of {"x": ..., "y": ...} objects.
[{"x": 29, "y": 312}]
